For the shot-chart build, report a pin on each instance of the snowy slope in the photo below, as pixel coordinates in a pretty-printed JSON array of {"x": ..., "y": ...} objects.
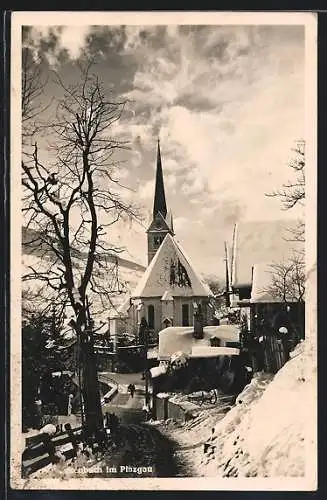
[
  {"x": 129, "y": 273},
  {"x": 268, "y": 433}
]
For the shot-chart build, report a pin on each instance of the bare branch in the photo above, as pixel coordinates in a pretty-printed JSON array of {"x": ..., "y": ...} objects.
[
  {"x": 287, "y": 280},
  {"x": 293, "y": 192},
  {"x": 63, "y": 198}
]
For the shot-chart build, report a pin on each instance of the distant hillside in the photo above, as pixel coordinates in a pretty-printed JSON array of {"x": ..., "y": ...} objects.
[
  {"x": 36, "y": 255},
  {"x": 32, "y": 244}
]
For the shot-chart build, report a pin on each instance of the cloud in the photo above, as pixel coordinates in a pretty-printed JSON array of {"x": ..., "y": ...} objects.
[
  {"x": 181, "y": 223},
  {"x": 227, "y": 103},
  {"x": 57, "y": 44},
  {"x": 146, "y": 190},
  {"x": 170, "y": 182},
  {"x": 73, "y": 39}
]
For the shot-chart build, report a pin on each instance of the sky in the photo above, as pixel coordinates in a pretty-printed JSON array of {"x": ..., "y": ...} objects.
[{"x": 226, "y": 101}]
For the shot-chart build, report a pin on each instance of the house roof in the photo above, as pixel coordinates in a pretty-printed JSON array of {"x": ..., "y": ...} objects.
[
  {"x": 180, "y": 338},
  {"x": 259, "y": 242},
  {"x": 171, "y": 271}
]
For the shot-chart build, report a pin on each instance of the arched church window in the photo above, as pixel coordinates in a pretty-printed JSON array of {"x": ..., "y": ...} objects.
[{"x": 151, "y": 316}]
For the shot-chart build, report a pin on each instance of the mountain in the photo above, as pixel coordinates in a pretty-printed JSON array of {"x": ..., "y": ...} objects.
[
  {"x": 32, "y": 244},
  {"x": 38, "y": 256}
]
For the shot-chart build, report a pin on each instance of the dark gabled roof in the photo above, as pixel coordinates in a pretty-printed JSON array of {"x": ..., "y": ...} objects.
[{"x": 163, "y": 224}]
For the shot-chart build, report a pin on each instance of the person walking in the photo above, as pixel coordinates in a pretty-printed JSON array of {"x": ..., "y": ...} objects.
[{"x": 131, "y": 389}]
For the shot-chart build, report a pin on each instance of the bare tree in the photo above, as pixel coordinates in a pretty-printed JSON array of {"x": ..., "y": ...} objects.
[
  {"x": 215, "y": 285},
  {"x": 287, "y": 281},
  {"x": 32, "y": 87},
  {"x": 63, "y": 200},
  {"x": 292, "y": 193},
  {"x": 65, "y": 197}
]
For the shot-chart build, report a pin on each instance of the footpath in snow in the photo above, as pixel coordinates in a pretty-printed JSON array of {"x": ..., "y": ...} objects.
[{"x": 266, "y": 434}]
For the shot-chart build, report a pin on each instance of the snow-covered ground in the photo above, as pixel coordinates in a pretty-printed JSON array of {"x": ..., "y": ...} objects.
[{"x": 270, "y": 432}]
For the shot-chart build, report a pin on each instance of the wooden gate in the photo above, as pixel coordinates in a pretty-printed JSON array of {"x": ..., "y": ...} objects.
[{"x": 275, "y": 355}]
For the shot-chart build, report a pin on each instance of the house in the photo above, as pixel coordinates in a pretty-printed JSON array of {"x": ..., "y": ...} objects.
[
  {"x": 258, "y": 242},
  {"x": 277, "y": 298},
  {"x": 267, "y": 284},
  {"x": 256, "y": 247},
  {"x": 171, "y": 290}
]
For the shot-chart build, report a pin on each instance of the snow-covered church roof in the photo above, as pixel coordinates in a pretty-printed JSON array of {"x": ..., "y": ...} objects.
[{"x": 171, "y": 271}]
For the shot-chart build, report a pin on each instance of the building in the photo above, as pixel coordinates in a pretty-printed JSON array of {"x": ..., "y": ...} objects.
[
  {"x": 170, "y": 291},
  {"x": 257, "y": 247},
  {"x": 268, "y": 284},
  {"x": 258, "y": 243}
]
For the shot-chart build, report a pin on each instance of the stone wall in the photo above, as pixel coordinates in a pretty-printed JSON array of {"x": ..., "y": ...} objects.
[
  {"x": 161, "y": 406},
  {"x": 167, "y": 406}
]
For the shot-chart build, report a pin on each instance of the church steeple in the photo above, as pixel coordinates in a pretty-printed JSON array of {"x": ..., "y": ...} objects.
[
  {"x": 162, "y": 219},
  {"x": 159, "y": 204}
]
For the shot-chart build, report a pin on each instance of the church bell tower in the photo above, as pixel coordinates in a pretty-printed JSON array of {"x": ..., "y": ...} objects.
[{"x": 162, "y": 219}]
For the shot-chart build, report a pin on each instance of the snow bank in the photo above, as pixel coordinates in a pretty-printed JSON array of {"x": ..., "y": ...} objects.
[{"x": 266, "y": 434}]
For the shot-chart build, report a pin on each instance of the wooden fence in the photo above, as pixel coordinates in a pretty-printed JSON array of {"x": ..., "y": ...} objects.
[
  {"x": 275, "y": 353},
  {"x": 36, "y": 456},
  {"x": 266, "y": 353}
]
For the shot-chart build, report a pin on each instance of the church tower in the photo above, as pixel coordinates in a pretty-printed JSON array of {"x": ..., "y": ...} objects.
[{"x": 162, "y": 219}]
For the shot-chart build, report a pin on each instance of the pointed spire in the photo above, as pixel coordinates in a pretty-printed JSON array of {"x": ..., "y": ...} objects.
[{"x": 159, "y": 204}]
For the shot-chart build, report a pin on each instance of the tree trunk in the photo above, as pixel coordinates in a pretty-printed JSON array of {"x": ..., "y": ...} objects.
[
  {"x": 90, "y": 384},
  {"x": 91, "y": 389}
]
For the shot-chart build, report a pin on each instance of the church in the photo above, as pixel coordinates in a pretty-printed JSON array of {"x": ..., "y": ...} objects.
[{"x": 171, "y": 291}]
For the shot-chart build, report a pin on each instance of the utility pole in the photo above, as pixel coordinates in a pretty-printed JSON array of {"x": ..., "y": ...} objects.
[
  {"x": 143, "y": 335},
  {"x": 228, "y": 284},
  {"x": 146, "y": 368}
]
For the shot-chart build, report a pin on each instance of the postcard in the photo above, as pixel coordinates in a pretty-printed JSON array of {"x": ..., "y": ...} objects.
[{"x": 163, "y": 270}]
